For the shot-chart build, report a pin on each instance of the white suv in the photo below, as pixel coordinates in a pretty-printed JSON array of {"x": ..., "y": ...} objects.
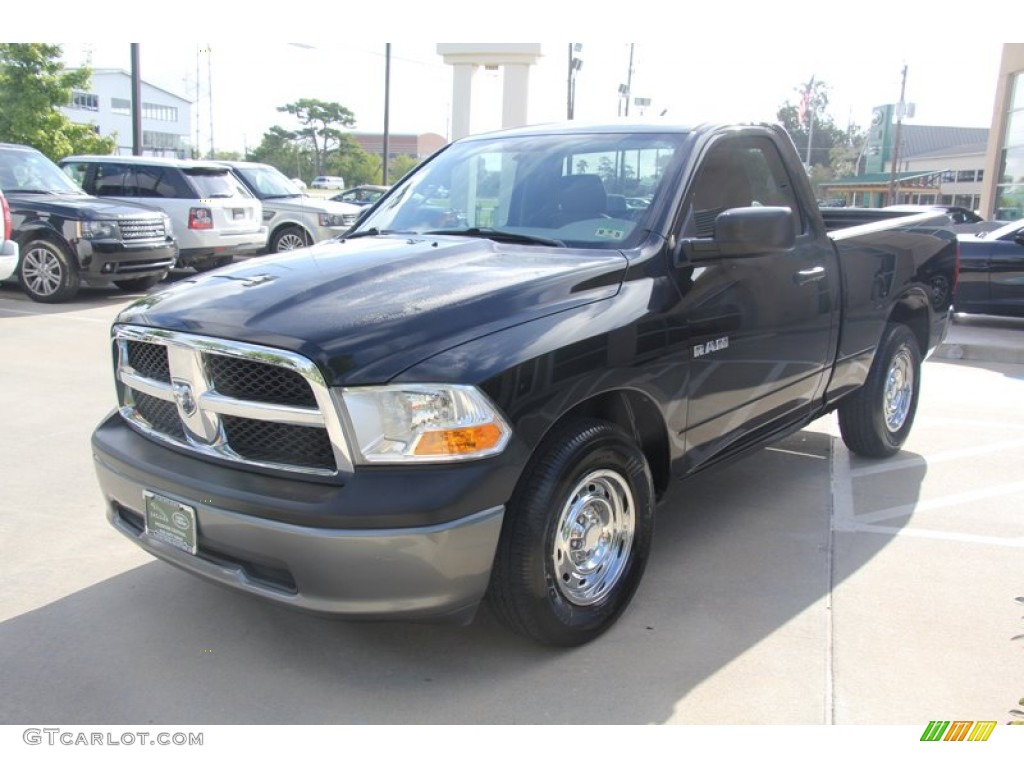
[
  {"x": 328, "y": 182},
  {"x": 293, "y": 219},
  {"x": 215, "y": 217},
  {"x": 8, "y": 248}
]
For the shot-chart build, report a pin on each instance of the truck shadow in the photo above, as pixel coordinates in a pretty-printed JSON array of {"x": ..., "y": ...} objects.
[{"x": 742, "y": 556}]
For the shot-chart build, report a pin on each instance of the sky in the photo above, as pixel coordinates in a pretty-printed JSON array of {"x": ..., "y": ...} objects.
[{"x": 696, "y": 62}]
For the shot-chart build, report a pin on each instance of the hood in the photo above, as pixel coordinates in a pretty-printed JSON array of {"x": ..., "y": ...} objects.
[
  {"x": 301, "y": 204},
  {"x": 76, "y": 206},
  {"x": 366, "y": 309}
]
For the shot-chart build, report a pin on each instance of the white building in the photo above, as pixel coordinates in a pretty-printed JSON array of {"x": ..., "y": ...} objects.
[{"x": 107, "y": 105}]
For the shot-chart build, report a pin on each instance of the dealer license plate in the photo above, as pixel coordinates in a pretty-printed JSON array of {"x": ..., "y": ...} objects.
[{"x": 171, "y": 521}]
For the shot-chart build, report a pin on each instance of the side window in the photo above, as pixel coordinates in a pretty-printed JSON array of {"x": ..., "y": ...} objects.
[
  {"x": 160, "y": 182},
  {"x": 77, "y": 172},
  {"x": 114, "y": 180},
  {"x": 738, "y": 173}
]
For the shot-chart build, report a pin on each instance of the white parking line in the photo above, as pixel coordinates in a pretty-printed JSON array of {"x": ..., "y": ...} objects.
[
  {"x": 938, "y": 458},
  {"x": 845, "y": 519}
]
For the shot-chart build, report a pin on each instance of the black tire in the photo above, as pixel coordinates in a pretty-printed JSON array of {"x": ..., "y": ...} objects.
[
  {"x": 136, "y": 284},
  {"x": 288, "y": 239},
  {"x": 205, "y": 265},
  {"x": 876, "y": 420},
  {"x": 576, "y": 536},
  {"x": 47, "y": 272}
]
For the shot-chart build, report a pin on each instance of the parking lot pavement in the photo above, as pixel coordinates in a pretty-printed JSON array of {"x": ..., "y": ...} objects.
[{"x": 801, "y": 585}]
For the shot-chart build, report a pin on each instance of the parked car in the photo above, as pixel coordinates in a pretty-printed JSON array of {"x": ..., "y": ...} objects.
[
  {"x": 215, "y": 217},
  {"x": 992, "y": 272},
  {"x": 363, "y": 195},
  {"x": 293, "y": 219},
  {"x": 395, "y": 423},
  {"x": 8, "y": 247},
  {"x": 328, "y": 182},
  {"x": 964, "y": 220},
  {"x": 66, "y": 237}
]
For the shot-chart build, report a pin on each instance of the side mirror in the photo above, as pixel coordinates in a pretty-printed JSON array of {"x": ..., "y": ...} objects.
[{"x": 745, "y": 232}]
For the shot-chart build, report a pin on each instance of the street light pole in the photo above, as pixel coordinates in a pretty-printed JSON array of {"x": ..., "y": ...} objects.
[{"x": 896, "y": 139}]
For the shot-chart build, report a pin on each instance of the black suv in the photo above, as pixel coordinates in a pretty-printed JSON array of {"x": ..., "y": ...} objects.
[{"x": 67, "y": 237}]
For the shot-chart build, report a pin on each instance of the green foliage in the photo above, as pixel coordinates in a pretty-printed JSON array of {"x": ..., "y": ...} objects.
[
  {"x": 401, "y": 165},
  {"x": 295, "y": 153},
  {"x": 321, "y": 124},
  {"x": 33, "y": 84}
]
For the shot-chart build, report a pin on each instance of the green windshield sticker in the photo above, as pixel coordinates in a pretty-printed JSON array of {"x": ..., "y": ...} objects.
[{"x": 608, "y": 233}]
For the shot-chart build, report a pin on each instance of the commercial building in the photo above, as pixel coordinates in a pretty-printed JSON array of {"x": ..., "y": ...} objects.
[
  {"x": 1003, "y": 189},
  {"x": 107, "y": 106},
  {"x": 415, "y": 145}
]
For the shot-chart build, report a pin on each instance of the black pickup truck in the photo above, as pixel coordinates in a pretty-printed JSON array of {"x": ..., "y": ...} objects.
[{"x": 484, "y": 387}]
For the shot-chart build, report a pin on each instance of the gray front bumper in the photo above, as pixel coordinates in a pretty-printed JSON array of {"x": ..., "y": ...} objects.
[{"x": 436, "y": 572}]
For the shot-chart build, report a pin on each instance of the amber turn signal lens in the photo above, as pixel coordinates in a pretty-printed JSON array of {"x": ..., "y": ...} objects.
[{"x": 453, "y": 442}]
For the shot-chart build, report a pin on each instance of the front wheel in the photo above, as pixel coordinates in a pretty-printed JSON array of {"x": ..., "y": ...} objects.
[
  {"x": 576, "y": 537},
  {"x": 47, "y": 272},
  {"x": 875, "y": 421},
  {"x": 289, "y": 239}
]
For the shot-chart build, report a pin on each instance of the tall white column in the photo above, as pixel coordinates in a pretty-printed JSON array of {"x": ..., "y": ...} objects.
[
  {"x": 462, "y": 98},
  {"x": 515, "y": 95}
]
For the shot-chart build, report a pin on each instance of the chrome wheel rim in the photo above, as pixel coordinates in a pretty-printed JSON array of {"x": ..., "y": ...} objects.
[
  {"x": 42, "y": 271},
  {"x": 593, "y": 537},
  {"x": 289, "y": 241},
  {"x": 899, "y": 390}
]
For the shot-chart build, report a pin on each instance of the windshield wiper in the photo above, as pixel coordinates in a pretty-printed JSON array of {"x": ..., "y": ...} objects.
[
  {"x": 498, "y": 235},
  {"x": 28, "y": 191}
]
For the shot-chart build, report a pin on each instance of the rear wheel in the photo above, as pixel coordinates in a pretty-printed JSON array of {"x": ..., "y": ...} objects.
[
  {"x": 576, "y": 537},
  {"x": 876, "y": 420},
  {"x": 47, "y": 272}
]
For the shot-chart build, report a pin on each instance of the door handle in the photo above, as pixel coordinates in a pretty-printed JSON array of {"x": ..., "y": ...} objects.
[{"x": 811, "y": 275}]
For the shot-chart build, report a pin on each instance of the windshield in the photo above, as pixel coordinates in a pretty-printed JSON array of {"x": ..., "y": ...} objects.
[
  {"x": 266, "y": 181},
  {"x": 31, "y": 171},
  {"x": 589, "y": 190}
]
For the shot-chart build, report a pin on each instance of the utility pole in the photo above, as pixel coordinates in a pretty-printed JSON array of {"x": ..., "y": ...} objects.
[
  {"x": 900, "y": 108},
  {"x": 387, "y": 101},
  {"x": 629, "y": 79},
  {"x": 209, "y": 90}
]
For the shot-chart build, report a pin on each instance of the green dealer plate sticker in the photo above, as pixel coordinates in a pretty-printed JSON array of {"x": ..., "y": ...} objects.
[{"x": 171, "y": 522}]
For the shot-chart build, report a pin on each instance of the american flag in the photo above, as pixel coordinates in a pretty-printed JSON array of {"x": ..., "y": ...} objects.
[{"x": 805, "y": 102}]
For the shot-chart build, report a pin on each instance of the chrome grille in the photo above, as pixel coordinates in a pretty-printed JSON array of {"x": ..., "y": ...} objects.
[
  {"x": 348, "y": 219},
  {"x": 251, "y": 380},
  {"x": 149, "y": 360},
  {"x": 149, "y": 228},
  {"x": 279, "y": 443},
  {"x": 238, "y": 402}
]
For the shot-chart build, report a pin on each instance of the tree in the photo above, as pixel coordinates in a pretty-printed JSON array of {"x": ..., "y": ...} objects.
[
  {"x": 402, "y": 164},
  {"x": 33, "y": 84},
  {"x": 321, "y": 124},
  {"x": 830, "y": 144}
]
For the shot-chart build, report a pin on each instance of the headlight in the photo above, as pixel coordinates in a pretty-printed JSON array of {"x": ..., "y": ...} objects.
[
  {"x": 168, "y": 228},
  {"x": 99, "y": 230},
  {"x": 333, "y": 220},
  {"x": 423, "y": 423}
]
